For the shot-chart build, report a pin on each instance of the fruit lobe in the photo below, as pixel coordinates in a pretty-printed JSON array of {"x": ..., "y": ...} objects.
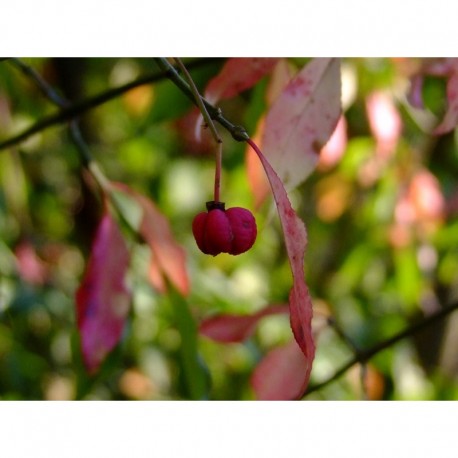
[{"x": 230, "y": 231}]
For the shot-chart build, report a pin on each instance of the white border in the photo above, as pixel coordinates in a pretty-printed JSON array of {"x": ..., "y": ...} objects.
[
  {"x": 144, "y": 28},
  {"x": 228, "y": 429}
]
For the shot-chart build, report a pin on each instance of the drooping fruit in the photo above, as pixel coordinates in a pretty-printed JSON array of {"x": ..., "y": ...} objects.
[{"x": 230, "y": 231}]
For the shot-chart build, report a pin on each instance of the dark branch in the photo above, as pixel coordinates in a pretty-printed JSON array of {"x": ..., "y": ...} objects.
[
  {"x": 363, "y": 356},
  {"x": 72, "y": 111},
  {"x": 47, "y": 90},
  {"x": 238, "y": 132}
]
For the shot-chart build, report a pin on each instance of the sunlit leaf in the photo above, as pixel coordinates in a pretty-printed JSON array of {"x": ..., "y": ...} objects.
[
  {"x": 295, "y": 236},
  {"x": 302, "y": 119},
  {"x": 257, "y": 180},
  {"x": 236, "y": 328},
  {"x": 281, "y": 76},
  {"x": 103, "y": 298}
]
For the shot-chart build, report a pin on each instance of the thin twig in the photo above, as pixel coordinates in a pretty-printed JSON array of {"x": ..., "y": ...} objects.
[
  {"x": 364, "y": 356},
  {"x": 76, "y": 136},
  {"x": 75, "y": 131},
  {"x": 349, "y": 342},
  {"x": 340, "y": 332},
  {"x": 47, "y": 90},
  {"x": 238, "y": 132},
  {"x": 78, "y": 108},
  {"x": 199, "y": 100}
]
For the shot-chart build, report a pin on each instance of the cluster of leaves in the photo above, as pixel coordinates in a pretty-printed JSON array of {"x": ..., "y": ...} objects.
[{"x": 154, "y": 318}]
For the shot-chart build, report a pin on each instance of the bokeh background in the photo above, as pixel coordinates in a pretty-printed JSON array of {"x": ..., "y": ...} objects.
[{"x": 381, "y": 213}]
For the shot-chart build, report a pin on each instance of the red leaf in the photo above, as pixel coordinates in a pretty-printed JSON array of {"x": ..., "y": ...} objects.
[
  {"x": 233, "y": 328},
  {"x": 103, "y": 299},
  {"x": 281, "y": 374},
  {"x": 237, "y": 75},
  {"x": 295, "y": 236},
  {"x": 167, "y": 253},
  {"x": 302, "y": 119}
]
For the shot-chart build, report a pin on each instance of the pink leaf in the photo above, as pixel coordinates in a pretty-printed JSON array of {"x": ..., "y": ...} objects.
[
  {"x": 385, "y": 122},
  {"x": 334, "y": 149},
  {"x": 31, "y": 268},
  {"x": 302, "y": 119},
  {"x": 237, "y": 75},
  {"x": 233, "y": 328},
  {"x": 257, "y": 180},
  {"x": 167, "y": 253},
  {"x": 156, "y": 278},
  {"x": 281, "y": 374},
  {"x": 281, "y": 76},
  {"x": 295, "y": 236},
  {"x": 103, "y": 299},
  {"x": 415, "y": 95},
  {"x": 450, "y": 120}
]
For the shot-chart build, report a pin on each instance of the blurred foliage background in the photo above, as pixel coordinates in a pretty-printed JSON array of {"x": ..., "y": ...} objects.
[{"x": 381, "y": 213}]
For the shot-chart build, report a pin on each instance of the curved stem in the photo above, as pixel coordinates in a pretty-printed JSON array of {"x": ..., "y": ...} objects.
[
  {"x": 199, "y": 101},
  {"x": 219, "y": 143},
  {"x": 218, "y": 166}
]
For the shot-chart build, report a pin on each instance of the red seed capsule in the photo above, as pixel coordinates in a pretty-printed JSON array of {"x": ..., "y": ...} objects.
[{"x": 230, "y": 231}]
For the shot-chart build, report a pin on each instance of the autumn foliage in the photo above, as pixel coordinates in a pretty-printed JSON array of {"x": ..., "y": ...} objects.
[{"x": 337, "y": 182}]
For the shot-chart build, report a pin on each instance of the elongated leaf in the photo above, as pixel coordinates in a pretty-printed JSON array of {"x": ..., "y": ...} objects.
[
  {"x": 193, "y": 374},
  {"x": 295, "y": 236},
  {"x": 168, "y": 255},
  {"x": 103, "y": 300},
  {"x": 281, "y": 374},
  {"x": 237, "y": 75},
  {"x": 302, "y": 119},
  {"x": 236, "y": 328}
]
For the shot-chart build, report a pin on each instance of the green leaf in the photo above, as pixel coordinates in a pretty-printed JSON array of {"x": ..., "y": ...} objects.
[{"x": 194, "y": 373}]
